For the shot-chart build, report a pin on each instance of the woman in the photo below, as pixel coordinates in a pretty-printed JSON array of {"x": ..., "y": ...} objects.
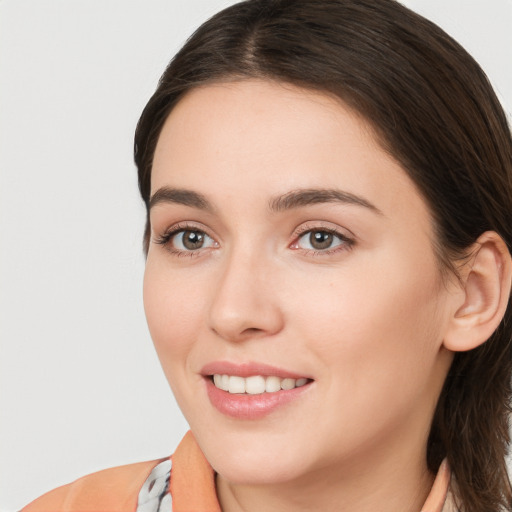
[{"x": 328, "y": 188}]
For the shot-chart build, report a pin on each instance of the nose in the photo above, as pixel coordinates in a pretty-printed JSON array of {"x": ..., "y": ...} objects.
[{"x": 245, "y": 303}]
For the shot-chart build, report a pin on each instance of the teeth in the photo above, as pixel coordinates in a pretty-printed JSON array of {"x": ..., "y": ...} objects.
[
  {"x": 288, "y": 383},
  {"x": 272, "y": 384},
  {"x": 236, "y": 384},
  {"x": 256, "y": 384},
  {"x": 221, "y": 382}
]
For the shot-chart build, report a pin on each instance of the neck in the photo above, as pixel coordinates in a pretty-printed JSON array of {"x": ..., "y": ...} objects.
[{"x": 385, "y": 482}]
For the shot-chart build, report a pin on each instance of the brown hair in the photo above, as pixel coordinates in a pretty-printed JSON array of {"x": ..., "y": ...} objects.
[{"x": 434, "y": 111}]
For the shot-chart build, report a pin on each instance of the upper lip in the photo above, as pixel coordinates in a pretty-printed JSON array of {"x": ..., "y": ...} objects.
[{"x": 248, "y": 369}]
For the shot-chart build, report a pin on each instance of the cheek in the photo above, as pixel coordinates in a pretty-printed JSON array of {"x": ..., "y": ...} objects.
[
  {"x": 173, "y": 308},
  {"x": 374, "y": 326}
]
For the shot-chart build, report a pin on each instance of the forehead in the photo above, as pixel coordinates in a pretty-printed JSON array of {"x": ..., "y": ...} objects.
[
  {"x": 257, "y": 120},
  {"x": 274, "y": 137}
]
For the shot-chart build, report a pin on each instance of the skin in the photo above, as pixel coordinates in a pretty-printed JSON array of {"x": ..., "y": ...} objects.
[{"x": 364, "y": 318}]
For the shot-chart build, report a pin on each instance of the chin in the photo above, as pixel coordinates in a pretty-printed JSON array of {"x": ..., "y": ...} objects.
[
  {"x": 254, "y": 469},
  {"x": 253, "y": 458}
]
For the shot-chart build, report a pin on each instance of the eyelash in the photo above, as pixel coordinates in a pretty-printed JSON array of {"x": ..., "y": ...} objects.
[
  {"x": 346, "y": 243},
  {"x": 165, "y": 239}
]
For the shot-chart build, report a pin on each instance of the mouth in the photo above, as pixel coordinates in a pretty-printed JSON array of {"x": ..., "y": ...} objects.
[
  {"x": 250, "y": 391},
  {"x": 256, "y": 384}
]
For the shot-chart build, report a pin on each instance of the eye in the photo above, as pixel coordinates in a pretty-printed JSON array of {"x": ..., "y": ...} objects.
[
  {"x": 321, "y": 240},
  {"x": 190, "y": 240},
  {"x": 186, "y": 240}
]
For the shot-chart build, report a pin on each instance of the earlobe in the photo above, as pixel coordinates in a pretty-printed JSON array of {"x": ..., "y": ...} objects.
[{"x": 486, "y": 281}]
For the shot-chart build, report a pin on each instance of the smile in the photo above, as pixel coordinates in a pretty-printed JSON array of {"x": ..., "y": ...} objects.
[
  {"x": 255, "y": 384},
  {"x": 253, "y": 390}
]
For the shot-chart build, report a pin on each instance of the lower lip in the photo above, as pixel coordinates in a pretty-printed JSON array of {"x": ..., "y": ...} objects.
[{"x": 250, "y": 407}]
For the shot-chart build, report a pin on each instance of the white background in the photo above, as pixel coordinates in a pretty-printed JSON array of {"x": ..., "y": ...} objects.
[{"x": 80, "y": 386}]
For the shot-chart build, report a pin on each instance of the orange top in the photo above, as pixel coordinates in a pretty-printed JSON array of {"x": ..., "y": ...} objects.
[
  {"x": 110, "y": 490},
  {"x": 192, "y": 487}
]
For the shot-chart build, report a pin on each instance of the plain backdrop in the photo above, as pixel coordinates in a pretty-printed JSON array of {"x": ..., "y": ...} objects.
[{"x": 80, "y": 385}]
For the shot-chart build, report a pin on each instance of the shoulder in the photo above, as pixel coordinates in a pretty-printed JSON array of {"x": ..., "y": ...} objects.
[{"x": 111, "y": 490}]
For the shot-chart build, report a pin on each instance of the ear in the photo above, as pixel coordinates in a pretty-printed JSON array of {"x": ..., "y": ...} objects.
[{"x": 481, "y": 305}]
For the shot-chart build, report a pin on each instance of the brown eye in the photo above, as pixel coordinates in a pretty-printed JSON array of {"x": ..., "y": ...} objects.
[
  {"x": 320, "y": 239},
  {"x": 187, "y": 240},
  {"x": 192, "y": 239}
]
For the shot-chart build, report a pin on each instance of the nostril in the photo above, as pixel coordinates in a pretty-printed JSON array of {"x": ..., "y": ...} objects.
[{"x": 253, "y": 330}]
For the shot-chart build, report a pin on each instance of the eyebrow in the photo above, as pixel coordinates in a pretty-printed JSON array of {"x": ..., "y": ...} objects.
[
  {"x": 180, "y": 196},
  {"x": 307, "y": 197},
  {"x": 288, "y": 201}
]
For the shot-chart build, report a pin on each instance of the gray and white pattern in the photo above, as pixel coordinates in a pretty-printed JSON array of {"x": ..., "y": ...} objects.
[{"x": 154, "y": 495}]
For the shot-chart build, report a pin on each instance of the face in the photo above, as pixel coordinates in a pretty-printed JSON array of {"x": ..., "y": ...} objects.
[{"x": 291, "y": 287}]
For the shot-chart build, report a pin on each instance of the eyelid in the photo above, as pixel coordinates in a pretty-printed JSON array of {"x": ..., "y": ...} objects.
[{"x": 323, "y": 226}]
